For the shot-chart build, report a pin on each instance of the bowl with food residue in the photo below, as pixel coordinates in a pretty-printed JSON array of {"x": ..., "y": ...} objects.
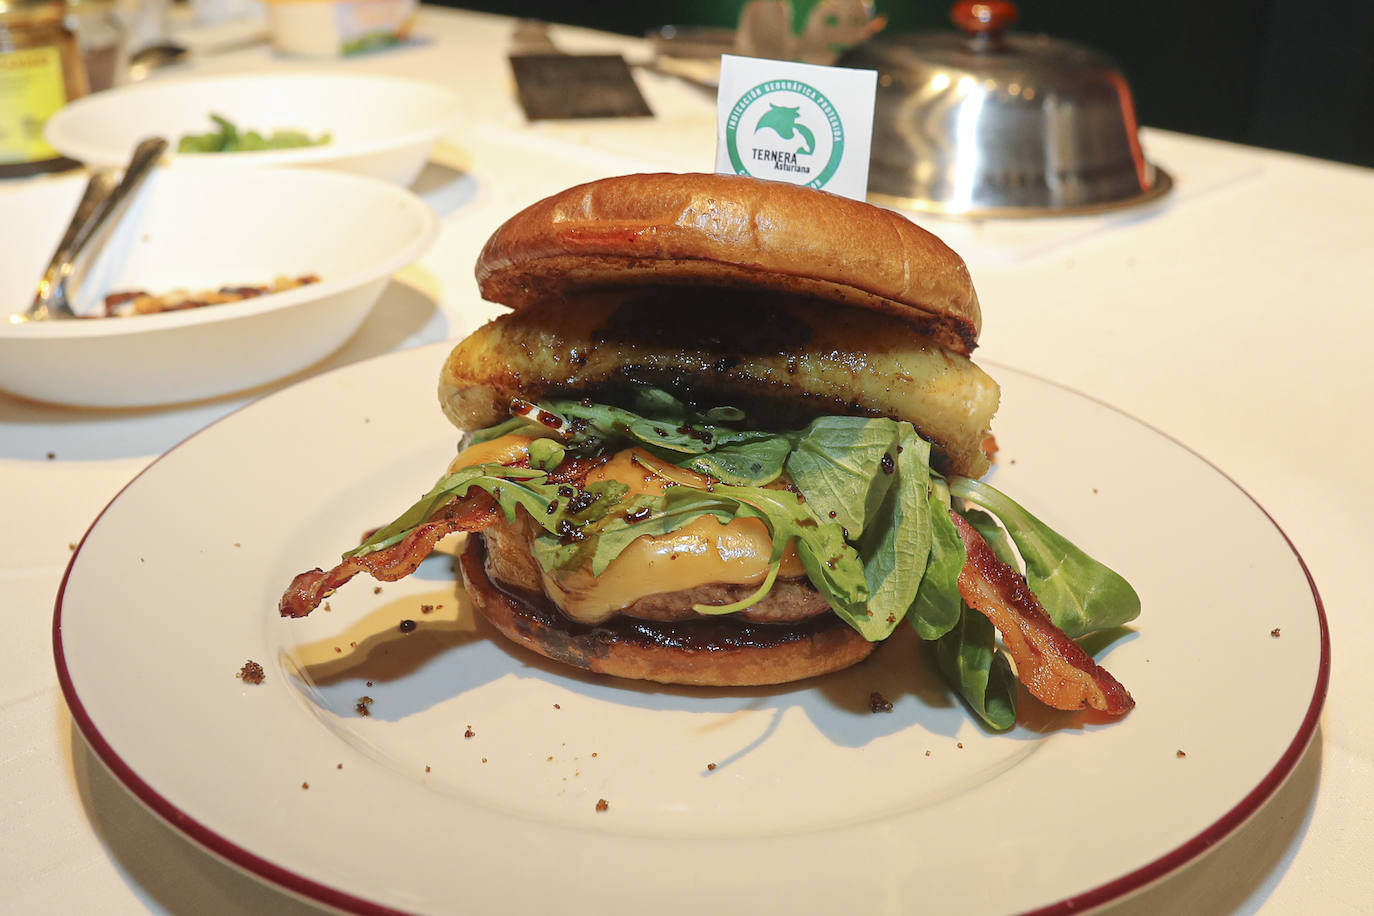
[
  {"x": 212, "y": 283},
  {"x": 380, "y": 126}
]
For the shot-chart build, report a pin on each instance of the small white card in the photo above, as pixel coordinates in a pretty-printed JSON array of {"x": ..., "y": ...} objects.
[{"x": 795, "y": 122}]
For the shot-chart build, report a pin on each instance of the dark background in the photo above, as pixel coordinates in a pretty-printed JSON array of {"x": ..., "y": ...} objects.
[{"x": 1289, "y": 74}]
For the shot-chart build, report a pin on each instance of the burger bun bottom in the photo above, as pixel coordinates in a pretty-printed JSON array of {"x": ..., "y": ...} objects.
[{"x": 712, "y": 652}]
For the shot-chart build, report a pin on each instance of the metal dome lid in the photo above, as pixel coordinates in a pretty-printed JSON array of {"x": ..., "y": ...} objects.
[{"x": 982, "y": 122}]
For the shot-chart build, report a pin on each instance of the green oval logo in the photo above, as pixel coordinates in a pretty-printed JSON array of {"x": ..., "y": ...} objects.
[{"x": 786, "y": 130}]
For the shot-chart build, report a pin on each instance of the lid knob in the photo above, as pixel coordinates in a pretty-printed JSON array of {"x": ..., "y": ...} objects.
[{"x": 984, "y": 21}]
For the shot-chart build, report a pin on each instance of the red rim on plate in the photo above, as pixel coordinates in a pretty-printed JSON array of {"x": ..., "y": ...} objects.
[{"x": 1126, "y": 884}]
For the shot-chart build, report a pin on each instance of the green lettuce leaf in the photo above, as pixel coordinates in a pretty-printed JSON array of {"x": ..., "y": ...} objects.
[
  {"x": 742, "y": 464},
  {"x": 969, "y": 659},
  {"x": 1079, "y": 593},
  {"x": 938, "y": 605},
  {"x": 511, "y": 487},
  {"x": 896, "y": 541},
  {"x": 838, "y": 464}
]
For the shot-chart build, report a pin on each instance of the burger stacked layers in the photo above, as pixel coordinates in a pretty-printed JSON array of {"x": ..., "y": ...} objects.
[{"x": 730, "y": 435}]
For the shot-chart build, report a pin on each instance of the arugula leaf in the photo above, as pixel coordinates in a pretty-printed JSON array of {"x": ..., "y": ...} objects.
[
  {"x": 938, "y": 605},
  {"x": 504, "y": 428},
  {"x": 546, "y": 454},
  {"x": 832, "y": 565},
  {"x": 838, "y": 464},
  {"x": 678, "y": 506},
  {"x": 969, "y": 658},
  {"x": 744, "y": 464},
  {"x": 511, "y": 487},
  {"x": 1079, "y": 593}
]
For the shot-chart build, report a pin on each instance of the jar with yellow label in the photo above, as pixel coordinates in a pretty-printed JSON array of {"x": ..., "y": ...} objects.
[{"x": 40, "y": 71}]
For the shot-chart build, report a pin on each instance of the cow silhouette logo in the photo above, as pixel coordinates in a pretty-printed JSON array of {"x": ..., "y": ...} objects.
[
  {"x": 783, "y": 122},
  {"x": 785, "y": 129}
]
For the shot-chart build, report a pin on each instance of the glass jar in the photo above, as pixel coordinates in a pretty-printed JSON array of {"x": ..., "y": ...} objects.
[
  {"x": 101, "y": 36},
  {"x": 40, "y": 71}
]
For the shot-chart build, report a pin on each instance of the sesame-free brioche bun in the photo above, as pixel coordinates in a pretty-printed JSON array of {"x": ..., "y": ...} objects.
[{"x": 731, "y": 231}]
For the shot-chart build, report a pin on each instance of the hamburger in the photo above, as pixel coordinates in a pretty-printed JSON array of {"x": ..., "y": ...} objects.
[{"x": 728, "y": 435}]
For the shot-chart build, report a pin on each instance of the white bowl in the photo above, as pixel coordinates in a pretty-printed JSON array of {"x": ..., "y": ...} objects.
[
  {"x": 380, "y": 126},
  {"x": 195, "y": 230}
]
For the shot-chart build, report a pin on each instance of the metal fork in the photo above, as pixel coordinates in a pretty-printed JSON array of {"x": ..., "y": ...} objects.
[{"x": 101, "y": 206}]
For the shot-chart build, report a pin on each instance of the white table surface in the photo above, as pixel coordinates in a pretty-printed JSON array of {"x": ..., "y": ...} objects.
[{"x": 1236, "y": 316}]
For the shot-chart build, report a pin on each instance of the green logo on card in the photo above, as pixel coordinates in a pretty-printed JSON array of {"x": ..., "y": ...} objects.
[{"x": 785, "y": 129}]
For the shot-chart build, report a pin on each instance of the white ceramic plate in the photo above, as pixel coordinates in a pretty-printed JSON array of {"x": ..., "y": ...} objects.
[
  {"x": 196, "y": 231},
  {"x": 380, "y": 126},
  {"x": 815, "y": 804}
]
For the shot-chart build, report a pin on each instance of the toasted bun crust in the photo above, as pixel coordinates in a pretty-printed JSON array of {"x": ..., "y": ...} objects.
[
  {"x": 712, "y": 653},
  {"x": 734, "y": 231}
]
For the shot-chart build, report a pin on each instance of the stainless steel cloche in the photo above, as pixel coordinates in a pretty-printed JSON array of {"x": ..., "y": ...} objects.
[{"x": 985, "y": 123}]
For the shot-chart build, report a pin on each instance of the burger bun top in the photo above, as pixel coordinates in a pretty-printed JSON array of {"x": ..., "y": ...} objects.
[{"x": 732, "y": 231}]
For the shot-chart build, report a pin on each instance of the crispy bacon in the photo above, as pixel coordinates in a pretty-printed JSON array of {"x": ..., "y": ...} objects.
[
  {"x": 472, "y": 512},
  {"x": 1054, "y": 668}
]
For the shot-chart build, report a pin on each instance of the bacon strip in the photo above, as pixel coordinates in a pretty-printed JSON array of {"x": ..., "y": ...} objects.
[
  {"x": 1054, "y": 668},
  {"x": 472, "y": 512}
]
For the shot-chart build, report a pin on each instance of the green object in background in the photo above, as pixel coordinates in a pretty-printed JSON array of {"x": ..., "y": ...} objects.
[{"x": 228, "y": 139}]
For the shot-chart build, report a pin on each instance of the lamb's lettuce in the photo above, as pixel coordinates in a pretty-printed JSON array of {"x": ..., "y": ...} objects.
[
  {"x": 1079, "y": 593},
  {"x": 969, "y": 659},
  {"x": 938, "y": 606}
]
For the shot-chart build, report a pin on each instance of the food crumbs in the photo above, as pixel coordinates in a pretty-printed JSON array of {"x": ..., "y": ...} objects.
[
  {"x": 377, "y": 590},
  {"x": 426, "y": 768},
  {"x": 550, "y": 758},
  {"x": 352, "y": 645},
  {"x": 879, "y": 703},
  {"x": 369, "y": 683},
  {"x": 338, "y": 650},
  {"x": 602, "y": 804},
  {"x": 1274, "y": 632},
  {"x": 594, "y": 753},
  {"x": 484, "y": 760},
  {"x": 710, "y": 766},
  {"x": 927, "y": 753},
  {"x": 959, "y": 745},
  {"x": 71, "y": 545},
  {"x": 364, "y": 706},
  {"x": 469, "y": 733},
  {"x": 556, "y": 706},
  {"x": 327, "y": 608},
  {"x": 251, "y": 673},
  {"x": 426, "y": 609},
  {"x": 339, "y": 767},
  {"x": 1180, "y": 754},
  {"x": 305, "y": 785},
  {"x": 52, "y": 455}
]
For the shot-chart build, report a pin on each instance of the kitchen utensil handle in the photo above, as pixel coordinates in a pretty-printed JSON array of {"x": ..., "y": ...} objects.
[{"x": 145, "y": 157}]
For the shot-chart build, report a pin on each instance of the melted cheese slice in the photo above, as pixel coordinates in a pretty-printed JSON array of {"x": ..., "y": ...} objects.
[{"x": 699, "y": 553}]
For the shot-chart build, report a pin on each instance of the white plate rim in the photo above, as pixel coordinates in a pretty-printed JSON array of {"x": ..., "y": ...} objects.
[{"x": 1114, "y": 890}]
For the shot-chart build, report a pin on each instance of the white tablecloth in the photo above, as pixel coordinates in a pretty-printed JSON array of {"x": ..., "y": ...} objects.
[{"x": 1236, "y": 316}]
